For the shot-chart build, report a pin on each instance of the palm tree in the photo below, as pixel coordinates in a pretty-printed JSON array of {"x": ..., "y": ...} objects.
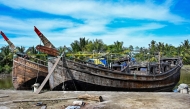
[
  {"x": 6, "y": 59},
  {"x": 21, "y": 49},
  {"x": 79, "y": 45},
  {"x": 185, "y": 51},
  {"x": 186, "y": 44},
  {"x": 82, "y": 43},
  {"x": 75, "y": 46},
  {"x": 6, "y": 55},
  {"x": 152, "y": 46},
  {"x": 118, "y": 46},
  {"x": 31, "y": 50},
  {"x": 98, "y": 45}
]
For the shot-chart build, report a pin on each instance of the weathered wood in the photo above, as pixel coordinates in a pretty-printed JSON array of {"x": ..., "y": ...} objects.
[
  {"x": 3, "y": 96},
  {"x": 25, "y": 70},
  {"x": 47, "y": 77},
  {"x": 36, "y": 100},
  {"x": 91, "y": 97},
  {"x": 97, "y": 79},
  {"x": 50, "y": 51}
]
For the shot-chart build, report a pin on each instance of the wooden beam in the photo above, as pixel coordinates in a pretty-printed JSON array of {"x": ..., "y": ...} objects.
[
  {"x": 36, "y": 100},
  {"x": 49, "y": 74},
  {"x": 3, "y": 96}
]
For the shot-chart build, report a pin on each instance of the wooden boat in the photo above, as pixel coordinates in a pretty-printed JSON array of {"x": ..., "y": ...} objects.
[
  {"x": 79, "y": 75},
  {"x": 72, "y": 75},
  {"x": 25, "y": 72}
]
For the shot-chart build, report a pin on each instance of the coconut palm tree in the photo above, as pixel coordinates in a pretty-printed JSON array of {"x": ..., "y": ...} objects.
[
  {"x": 31, "y": 50},
  {"x": 79, "y": 45},
  {"x": 98, "y": 45},
  {"x": 6, "y": 59},
  {"x": 21, "y": 49},
  {"x": 118, "y": 46}
]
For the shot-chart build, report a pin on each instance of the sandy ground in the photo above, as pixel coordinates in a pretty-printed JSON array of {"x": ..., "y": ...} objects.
[{"x": 112, "y": 100}]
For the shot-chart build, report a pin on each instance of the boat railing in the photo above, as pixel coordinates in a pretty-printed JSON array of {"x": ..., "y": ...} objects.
[
  {"x": 35, "y": 61},
  {"x": 31, "y": 66}
]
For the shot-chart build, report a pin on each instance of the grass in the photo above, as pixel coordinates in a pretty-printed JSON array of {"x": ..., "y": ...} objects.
[{"x": 185, "y": 76}]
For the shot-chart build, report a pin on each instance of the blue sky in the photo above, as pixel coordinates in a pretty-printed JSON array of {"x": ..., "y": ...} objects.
[{"x": 135, "y": 22}]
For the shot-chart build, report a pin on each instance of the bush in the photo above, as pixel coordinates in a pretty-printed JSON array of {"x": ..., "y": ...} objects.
[
  {"x": 1, "y": 69},
  {"x": 7, "y": 69}
]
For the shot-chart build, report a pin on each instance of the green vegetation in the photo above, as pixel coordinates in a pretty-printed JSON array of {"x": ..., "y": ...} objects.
[
  {"x": 185, "y": 75},
  {"x": 85, "y": 48},
  {"x": 6, "y": 57}
]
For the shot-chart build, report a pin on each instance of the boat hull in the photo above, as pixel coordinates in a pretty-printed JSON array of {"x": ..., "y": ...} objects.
[
  {"x": 83, "y": 77},
  {"x": 25, "y": 73}
]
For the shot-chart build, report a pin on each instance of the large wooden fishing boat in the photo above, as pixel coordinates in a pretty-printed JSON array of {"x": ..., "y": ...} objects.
[
  {"x": 72, "y": 75},
  {"x": 26, "y": 71},
  {"x": 83, "y": 76}
]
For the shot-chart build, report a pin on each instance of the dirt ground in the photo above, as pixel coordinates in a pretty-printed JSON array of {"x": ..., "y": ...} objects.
[{"x": 112, "y": 100}]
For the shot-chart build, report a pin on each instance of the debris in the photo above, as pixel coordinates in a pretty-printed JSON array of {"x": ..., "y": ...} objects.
[
  {"x": 91, "y": 97},
  {"x": 3, "y": 96},
  {"x": 39, "y": 104},
  {"x": 78, "y": 103},
  {"x": 44, "y": 107},
  {"x": 36, "y": 85},
  {"x": 183, "y": 88},
  {"x": 73, "y": 107}
]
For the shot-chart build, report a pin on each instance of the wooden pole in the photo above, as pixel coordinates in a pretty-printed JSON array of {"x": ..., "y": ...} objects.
[
  {"x": 49, "y": 74},
  {"x": 36, "y": 100}
]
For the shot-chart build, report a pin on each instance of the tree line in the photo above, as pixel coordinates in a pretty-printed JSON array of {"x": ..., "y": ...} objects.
[{"x": 85, "y": 48}]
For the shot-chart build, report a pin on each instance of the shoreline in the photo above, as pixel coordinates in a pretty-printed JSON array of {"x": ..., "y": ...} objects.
[
  {"x": 4, "y": 75},
  {"x": 111, "y": 100}
]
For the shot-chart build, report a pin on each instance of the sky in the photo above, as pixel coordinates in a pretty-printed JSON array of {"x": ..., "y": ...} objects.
[{"x": 135, "y": 22}]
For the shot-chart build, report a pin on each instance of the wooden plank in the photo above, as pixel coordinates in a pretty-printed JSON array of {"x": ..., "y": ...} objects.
[
  {"x": 49, "y": 74},
  {"x": 3, "y": 96},
  {"x": 36, "y": 100}
]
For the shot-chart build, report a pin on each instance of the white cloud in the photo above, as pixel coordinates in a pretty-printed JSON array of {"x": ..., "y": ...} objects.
[
  {"x": 98, "y": 10},
  {"x": 96, "y": 15}
]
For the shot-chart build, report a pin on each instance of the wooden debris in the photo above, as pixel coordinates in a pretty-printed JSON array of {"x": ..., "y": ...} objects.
[
  {"x": 91, "y": 97},
  {"x": 37, "y": 100},
  {"x": 3, "y": 96}
]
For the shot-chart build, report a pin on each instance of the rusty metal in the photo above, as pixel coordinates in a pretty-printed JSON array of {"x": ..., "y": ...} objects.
[{"x": 50, "y": 51}]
